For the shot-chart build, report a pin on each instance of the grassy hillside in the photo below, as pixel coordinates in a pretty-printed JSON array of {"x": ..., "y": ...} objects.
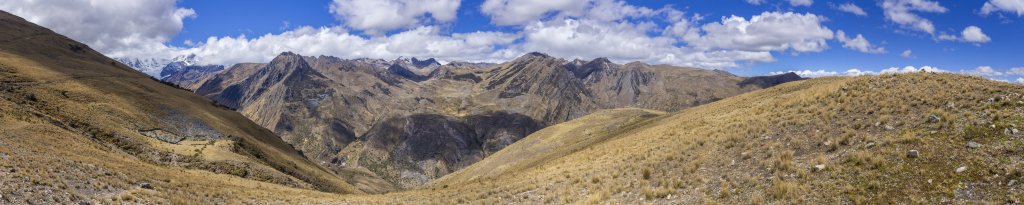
[
  {"x": 553, "y": 142},
  {"x": 77, "y": 126},
  {"x": 826, "y": 140}
]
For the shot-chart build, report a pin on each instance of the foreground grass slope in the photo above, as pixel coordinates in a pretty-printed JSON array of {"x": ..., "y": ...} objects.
[
  {"x": 826, "y": 140},
  {"x": 553, "y": 142},
  {"x": 77, "y": 126}
]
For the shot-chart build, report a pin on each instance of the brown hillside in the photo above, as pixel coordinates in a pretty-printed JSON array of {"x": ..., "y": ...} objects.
[
  {"x": 390, "y": 118},
  {"x": 77, "y": 126},
  {"x": 820, "y": 141}
]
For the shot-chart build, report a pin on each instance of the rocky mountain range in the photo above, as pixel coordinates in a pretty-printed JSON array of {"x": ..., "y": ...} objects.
[
  {"x": 77, "y": 127},
  {"x": 401, "y": 123},
  {"x": 150, "y": 66},
  {"x": 184, "y": 70}
]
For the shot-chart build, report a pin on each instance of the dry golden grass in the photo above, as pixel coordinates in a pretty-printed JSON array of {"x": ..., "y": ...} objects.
[
  {"x": 553, "y": 142},
  {"x": 70, "y": 133},
  {"x": 72, "y": 123},
  {"x": 762, "y": 147}
]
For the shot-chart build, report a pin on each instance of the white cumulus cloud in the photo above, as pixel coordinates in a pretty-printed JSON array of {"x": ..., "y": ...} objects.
[
  {"x": 1015, "y": 71},
  {"x": 769, "y": 31},
  {"x": 911, "y": 69},
  {"x": 115, "y": 27},
  {"x": 1010, "y": 6},
  {"x": 791, "y": 2},
  {"x": 378, "y": 16},
  {"x": 526, "y": 12},
  {"x": 852, "y": 8},
  {"x": 902, "y": 12},
  {"x": 756, "y": 2},
  {"x": 857, "y": 72},
  {"x": 425, "y": 41},
  {"x": 389, "y": 29},
  {"x": 986, "y": 71},
  {"x": 907, "y": 54},
  {"x": 808, "y": 73},
  {"x": 801, "y": 2},
  {"x": 971, "y": 34},
  {"x": 858, "y": 43},
  {"x": 521, "y": 12}
]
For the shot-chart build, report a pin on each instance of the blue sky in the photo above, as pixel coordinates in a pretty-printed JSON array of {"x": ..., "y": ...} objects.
[{"x": 259, "y": 29}]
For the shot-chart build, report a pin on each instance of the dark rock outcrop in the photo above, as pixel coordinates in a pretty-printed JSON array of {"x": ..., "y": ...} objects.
[{"x": 769, "y": 81}]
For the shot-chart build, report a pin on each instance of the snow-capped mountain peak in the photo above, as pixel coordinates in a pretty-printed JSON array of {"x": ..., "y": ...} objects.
[
  {"x": 160, "y": 67},
  {"x": 187, "y": 60},
  {"x": 149, "y": 66}
]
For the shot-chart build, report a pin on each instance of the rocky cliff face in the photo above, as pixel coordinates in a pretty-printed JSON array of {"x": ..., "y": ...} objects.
[{"x": 409, "y": 121}]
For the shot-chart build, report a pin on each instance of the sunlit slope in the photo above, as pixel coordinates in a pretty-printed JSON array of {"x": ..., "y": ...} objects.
[
  {"x": 553, "y": 142},
  {"x": 58, "y": 93},
  {"x": 826, "y": 140}
]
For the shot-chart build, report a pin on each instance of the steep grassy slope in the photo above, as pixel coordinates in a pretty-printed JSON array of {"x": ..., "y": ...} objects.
[
  {"x": 69, "y": 114},
  {"x": 826, "y": 140},
  {"x": 553, "y": 142}
]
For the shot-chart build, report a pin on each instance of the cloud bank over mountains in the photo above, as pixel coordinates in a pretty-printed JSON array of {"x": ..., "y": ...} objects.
[{"x": 585, "y": 29}]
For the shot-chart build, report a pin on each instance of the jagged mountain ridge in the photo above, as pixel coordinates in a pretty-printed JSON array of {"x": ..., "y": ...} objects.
[
  {"x": 191, "y": 77},
  {"x": 177, "y": 64},
  {"x": 346, "y": 112},
  {"x": 185, "y": 70}
]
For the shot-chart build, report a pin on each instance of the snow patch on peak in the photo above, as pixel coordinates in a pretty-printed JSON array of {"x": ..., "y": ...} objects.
[
  {"x": 160, "y": 67},
  {"x": 149, "y": 66}
]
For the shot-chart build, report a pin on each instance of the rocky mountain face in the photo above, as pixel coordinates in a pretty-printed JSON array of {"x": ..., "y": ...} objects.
[
  {"x": 178, "y": 64},
  {"x": 190, "y": 77},
  {"x": 399, "y": 124}
]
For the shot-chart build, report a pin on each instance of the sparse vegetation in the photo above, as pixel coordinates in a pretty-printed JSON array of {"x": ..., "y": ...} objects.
[{"x": 76, "y": 139}]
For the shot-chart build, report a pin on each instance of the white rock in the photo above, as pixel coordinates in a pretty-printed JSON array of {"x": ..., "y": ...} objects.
[
  {"x": 961, "y": 169},
  {"x": 973, "y": 145},
  {"x": 913, "y": 153},
  {"x": 818, "y": 168},
  {"x": 1012, "y": 132},
  {"x": 1012, "y": 182}
]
